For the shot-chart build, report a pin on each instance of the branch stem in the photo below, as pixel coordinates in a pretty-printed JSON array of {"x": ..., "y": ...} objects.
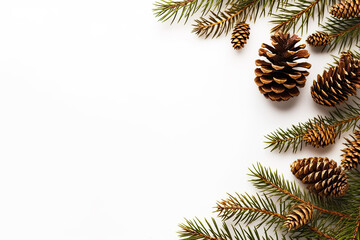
[
  {"x": 357, "y": 226},
  {"x": 236, "y": 207},
  {"x": 321, "y": 233},
  {"x": 200, "y": 234}
]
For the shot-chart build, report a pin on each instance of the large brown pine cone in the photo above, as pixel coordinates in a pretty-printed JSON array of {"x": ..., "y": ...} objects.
[
  {"x": 278, "y": 78},
  {"x": 324, "y": 177},
  {"x": 321, "y": 136},
  {"x": 346, "y": 9},
  {"x": 299, "y": 216},
  {"x": 240, "y": 33},
  {"x": 319, "y": 39},
  {"x": 338, "y": 83},
  {"x": 351, "y": 155}
]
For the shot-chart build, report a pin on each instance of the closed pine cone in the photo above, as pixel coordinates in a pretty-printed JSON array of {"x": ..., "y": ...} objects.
[
  {"x": 324, "y": 177},
  {"x": 319, "y": 39},
  {"x": 351, "y": 155},
  {"x": 321, "y": 136},
  {"x": 346, "y": 9},
  {"x": 278, "y": 78},
  {"x": 240, "y": 34},
  {"x": 299, "y": 216},
  {"x": 338, "y": 83}
]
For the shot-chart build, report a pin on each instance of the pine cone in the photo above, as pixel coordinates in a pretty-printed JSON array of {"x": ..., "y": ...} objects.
[
  {"x": 278, "y": 78},
  {"x": 324, "y": 177},
  {"x": 321, "y": 136},
  {"x": 346, "y": 9},
  {"x": 351, "y": 155},
  {"x": 240, "y": 34},
  {"x": 299, "y": 216},
  {"x": 338, "y": 83},
  {"x": 319, "y": 39}
]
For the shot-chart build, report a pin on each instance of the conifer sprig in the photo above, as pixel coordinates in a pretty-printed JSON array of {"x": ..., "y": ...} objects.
[
  {"x": 171, "y": 10},
  {"x": 197, "y": 230},
  {"x": 343, "y": 32},
  {"x": 223, "y": 22},
  {"x": 296, "y": 15},
  {"x": 273, "y": 184},
  {"x": 247, "y": 209},
  {"x": 342, "y": 119},
  {"x": 243, "y": 209}
]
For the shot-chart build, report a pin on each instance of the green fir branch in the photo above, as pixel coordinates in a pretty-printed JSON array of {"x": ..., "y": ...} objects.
[
  {"x": 197, "y": 230},
  {"x": 248, "y": 209},
  {"x": 292, "y": 138},
  {"x": 343, "y": 32},
  {"x": 223, "y": 22},
  {"x": 274, "y": 185},
  {"x": 296, "y": 15},
  {"x": 166, "y": 10},
  {"x": 244, "y": 209}
]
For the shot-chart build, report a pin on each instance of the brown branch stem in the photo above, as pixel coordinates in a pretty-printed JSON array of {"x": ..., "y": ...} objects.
[
  {"x": 314, "y": 229},
  {"x": 237, "y": 207},
  {"x": 357, "y": 226},
  {"x": 179, "y": 4},
  {"x": 200, "y": 234}
]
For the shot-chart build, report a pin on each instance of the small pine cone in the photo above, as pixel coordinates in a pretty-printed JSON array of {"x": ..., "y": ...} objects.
[
  {"x": 324, "y": 177},
  {"x": 279, "y": 77},
  {"x": 321, "y": 136},
  {"x": 351, "y": 155},
  {"x": 240, "y": 34},
  {"x": 346, "y": 9},
  {"x": 319, "y": 39},
  {"x": 299, "y": 216},
  {"x": 338, "y": 83}
]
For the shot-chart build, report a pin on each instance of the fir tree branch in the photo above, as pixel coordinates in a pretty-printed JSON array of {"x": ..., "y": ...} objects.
[
  {"x": 271, "y": 182},
  {"x": 343, "y": 32},
  {"x": 196, "y": 230},
  {"x": 223, "y": 22},
  {"x": 342, "y": 119},
  {"x": 170, "y": 9},
  {"x": 247, "y": 209},
  {"x": 240, "y": 10},
  {"x": 302, "y": 10}
]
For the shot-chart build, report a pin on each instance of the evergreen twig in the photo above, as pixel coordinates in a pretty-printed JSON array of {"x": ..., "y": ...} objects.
[
  {"x": 300, "y": 11},
  {"x": 327, "y": 223},
  {"x": 292, "y": 138},
  {"x": 171, "y": 10},
  {"x": 343, "y": 32}
]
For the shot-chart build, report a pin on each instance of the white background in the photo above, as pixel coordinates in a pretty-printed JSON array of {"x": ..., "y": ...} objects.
[{"x": 116, "y": 126}]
